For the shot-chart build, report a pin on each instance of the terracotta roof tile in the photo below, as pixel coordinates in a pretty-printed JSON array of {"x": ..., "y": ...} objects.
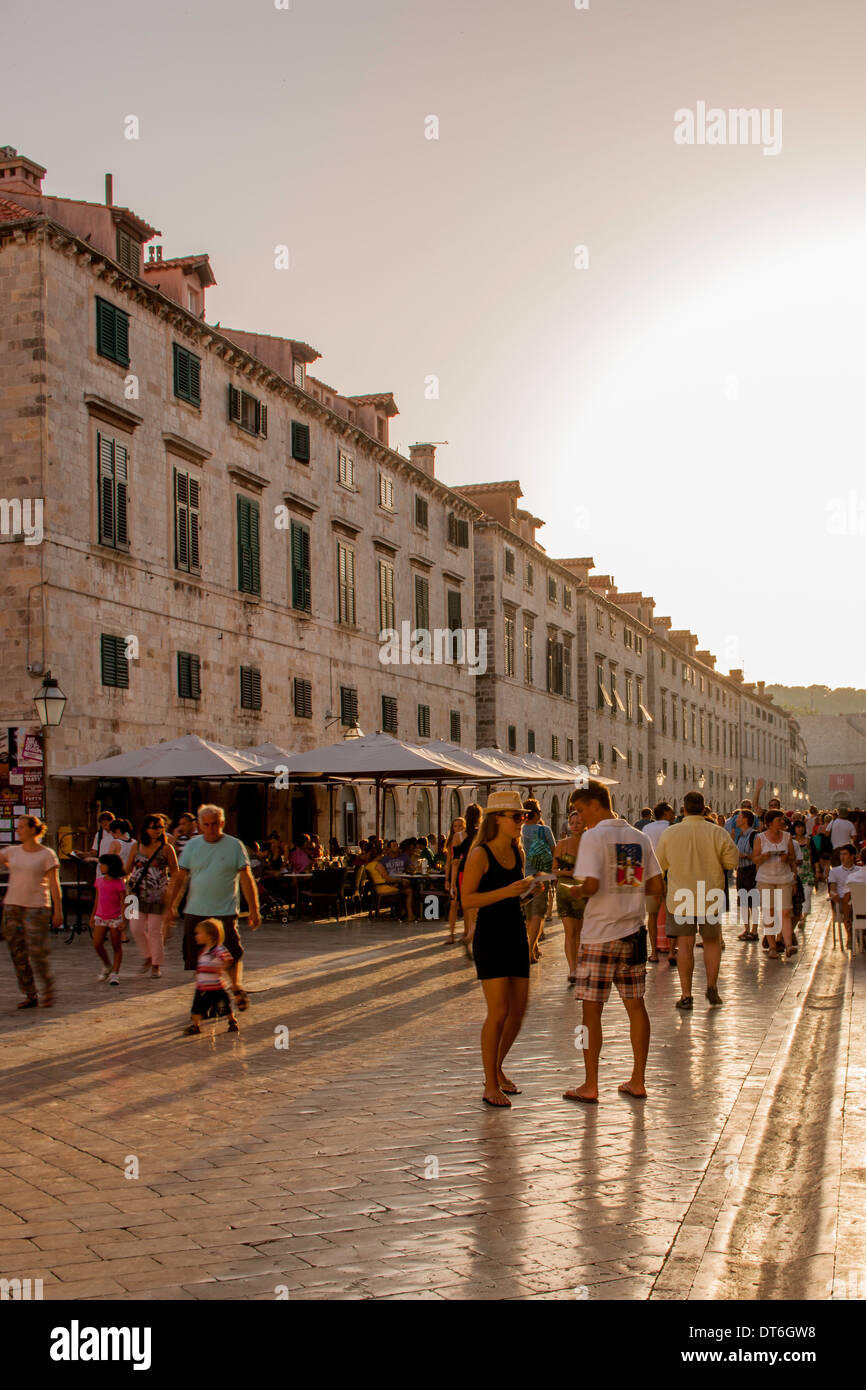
[{"x": 12, "y": 212}]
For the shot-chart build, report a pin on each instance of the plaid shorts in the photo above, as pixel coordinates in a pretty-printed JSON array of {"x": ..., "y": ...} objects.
[{"x": 602, "y": 963}]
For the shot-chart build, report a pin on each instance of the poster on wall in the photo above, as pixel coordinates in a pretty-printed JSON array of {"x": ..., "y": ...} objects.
[{"x": 22, "y": 776}]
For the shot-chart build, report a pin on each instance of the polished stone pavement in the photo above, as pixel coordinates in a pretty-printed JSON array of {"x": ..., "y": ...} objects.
[{"x": 337, "y": 1147}]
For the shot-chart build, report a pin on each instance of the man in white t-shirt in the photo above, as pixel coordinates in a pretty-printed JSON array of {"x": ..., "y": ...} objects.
[
  {"x": 842, "y": 832},
  {"x": 663, "y": 816},
  {"x": 837, "y": 880},
  {"x": 617, "y": 869}
]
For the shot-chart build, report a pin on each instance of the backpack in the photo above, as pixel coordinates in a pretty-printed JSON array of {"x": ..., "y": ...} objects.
[{"x": 539, "y": 855}]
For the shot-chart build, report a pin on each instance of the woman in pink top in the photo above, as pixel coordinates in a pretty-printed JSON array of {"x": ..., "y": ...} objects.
[{"x": 33, "y": 903}]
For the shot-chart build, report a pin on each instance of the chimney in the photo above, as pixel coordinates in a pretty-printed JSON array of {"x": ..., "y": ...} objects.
[
  {"x": 736, "y": 676},
  {"x": 424, "y": 457},
  {"x": 19, "y": 175},
  {"x": 760, "y": 687},
  {"x": 109, "y": 190}
]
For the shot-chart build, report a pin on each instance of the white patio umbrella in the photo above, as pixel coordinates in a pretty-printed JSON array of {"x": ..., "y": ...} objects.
[{"x": 187, "y": 756}]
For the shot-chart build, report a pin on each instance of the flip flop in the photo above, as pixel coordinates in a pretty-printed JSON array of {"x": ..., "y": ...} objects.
[
  {"x": 584, "y": 1100},
  {"x": 627, "y": 1091},
  {"x": 511, "y": 1091},
  {"x": 495, "y": 1105}
]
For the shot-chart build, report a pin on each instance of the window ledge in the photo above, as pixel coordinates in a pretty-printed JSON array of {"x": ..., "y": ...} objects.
[
  {"x": 246, "y": 478},
  {"x": 112, "y": 414}
]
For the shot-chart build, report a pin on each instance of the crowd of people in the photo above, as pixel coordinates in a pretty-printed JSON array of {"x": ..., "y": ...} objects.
[{"x": 501, "y": 868}]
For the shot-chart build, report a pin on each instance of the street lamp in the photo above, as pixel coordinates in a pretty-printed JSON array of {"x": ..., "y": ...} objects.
[
  {"x": 731, "y": 785},
  {"x": 702, "y": 780},
  {"x": 594, "y": 769},
  {"x": 660, "y": 777},
  {"x": 50, "y": 702},
  {"x": 354, "y": 731}
]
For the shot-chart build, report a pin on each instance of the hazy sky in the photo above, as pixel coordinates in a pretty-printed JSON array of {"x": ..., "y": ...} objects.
[{"x": 686, "y": 408}]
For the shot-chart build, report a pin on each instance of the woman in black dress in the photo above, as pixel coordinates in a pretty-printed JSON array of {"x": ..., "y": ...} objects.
[{"x": 493, "y": 881}]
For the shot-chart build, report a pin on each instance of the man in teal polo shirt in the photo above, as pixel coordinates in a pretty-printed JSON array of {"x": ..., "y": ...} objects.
[{"x": 213, "y": 864}]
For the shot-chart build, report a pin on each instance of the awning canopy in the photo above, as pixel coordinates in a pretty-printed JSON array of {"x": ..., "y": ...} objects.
[
  {"x": 188, "y": 756},
  {"x": 376, "y": 757}
]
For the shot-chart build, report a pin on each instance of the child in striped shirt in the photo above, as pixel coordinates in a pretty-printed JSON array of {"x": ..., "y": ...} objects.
[{"x": 210, "y": 999}]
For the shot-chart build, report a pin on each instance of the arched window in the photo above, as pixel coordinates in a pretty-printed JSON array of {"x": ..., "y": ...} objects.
[
  {"x": 455, "y": 809},
  {"x": 630, "y": 814},
  {"x": 554, "y": 817},
  {"x": 389, "y": 816},
  {"x": 349, "y": 815},
  {"x": 422, "y": 813}
]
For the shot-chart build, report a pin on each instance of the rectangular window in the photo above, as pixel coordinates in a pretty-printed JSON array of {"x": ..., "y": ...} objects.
[
  {"x": 628, "y": 759},
  {"x": 300, "y": 442},
  {"x": 421, "y": 513},
  {"x": 112, "y": 332},
  {"x": 423, "y": 721},
  {"x": 454, "y": 610},
  {"x": 187, "y": 374},
  {"x": 629, "y": 698},
  {"x": 345, "y": 584},
  {"x": 663, "y": 660},
  {"x": 389, "y": 714},
  {"x": 615, "y": 697},
  {"x": 386, "y": 595},
  {"x": 611, "y": 624},
  {"x": 551, "y": 589},
  {"x": 627, "y": 637},
  {"x": 249, "y": 565},
  {"x": 664, "y": 712},
  {"x": 348, "y": 705},
  {"x": 554, "y": 666},
  {"x": 529, "y": 575},
  {"x": 422, "y": 602},
  {"x": 640, "y": 762},
  {"x": 458, "y": 531},
  {"x": 509, "y": 645},
  {"x": 301, "y": 573},
  {"x": 187, "y": 495},
  {"x": 602, "y": 699},
  {"x": 530, "y": 740},
  {"x": 346, "y": 470},
  {"x": 251, "y": 687},
  {"x": 299, "y": 375},
  {"x": 248, "y": 413},
  {"x": 528, "y": 668},
  {"x": 599, "y": 619},
  {"x": 386, "y": 492},
  {"x": 566, "y": 669},
  {"x": 509, "y": 561},
  {"x": 128, "y": 252},
  {"x": 113, "y": 660},
  {"x": 569, "y": 750},
  {"x": 676, "y": 770},
  {"x": 673, "y": 716},
  {"x": 454, "y": 725},
  {"x": 188, "y": 676},
  {"x": 512, "y": 738},
  {"x": 554, "y": 747},
  {"x": 643, "y": 714},
  {"x": 303, "y": 693},
  {"x": 567, "y": 598},
  {"x": 113, "y": 492},
  {"x": 601, "y": 753},
  {"x": 638, "y": 644}
]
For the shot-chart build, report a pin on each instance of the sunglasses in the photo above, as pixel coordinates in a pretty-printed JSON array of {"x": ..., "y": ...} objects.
[{"x": 513, "y": 815}]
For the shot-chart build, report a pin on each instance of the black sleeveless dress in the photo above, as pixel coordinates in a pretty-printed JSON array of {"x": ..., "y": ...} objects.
[{"x": 500, "y": 946}]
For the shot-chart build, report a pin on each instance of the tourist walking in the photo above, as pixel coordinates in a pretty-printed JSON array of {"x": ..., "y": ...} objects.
[
  {"x": 153, "y": 862},
  {"x": 837, "y": 885},
  {"x": 107, "y": 915},
  {"x": 104, "y": 837},
  {"x": 695, "y": 854},
  {"x": 33, "y": 903},
  {"x": 493, "y": 883},
  {"x": 842, "y": 832},
  {"x": 805, "y": 871},
  {"x": 776, "y": 862},
  {"x": 663, "y": 816},
  {"x": 569, "y": 902},
  {"x": 212, "y": 962},
  {"x": 747, "y": 906},
  {"x": 617, "y": 866},
  {"x": 214, "y": 865},
  {"x": 538, "y": 846}
]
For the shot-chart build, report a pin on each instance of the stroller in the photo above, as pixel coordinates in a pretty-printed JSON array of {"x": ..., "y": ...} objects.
[{"x": 272, "y": 907}]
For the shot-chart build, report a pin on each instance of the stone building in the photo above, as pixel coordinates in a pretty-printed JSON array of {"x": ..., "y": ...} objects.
[
  {"x": 225, "y": 535},
  {"x": 836, "y": 746}
]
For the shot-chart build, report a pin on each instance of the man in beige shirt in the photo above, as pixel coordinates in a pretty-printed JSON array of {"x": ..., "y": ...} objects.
[{"x": 695, "y": 854}]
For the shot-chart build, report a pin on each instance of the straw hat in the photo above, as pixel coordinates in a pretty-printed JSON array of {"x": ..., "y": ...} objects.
[{"x": 504, "y": 801}]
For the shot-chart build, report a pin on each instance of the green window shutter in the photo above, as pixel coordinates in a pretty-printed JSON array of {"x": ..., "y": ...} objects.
[
  {"x": 181, "y": 520},
  {"x": 454, "y": 721},
  {"x": 121, "y": 495},
  {"x": 303, "y": 699},
  {"x": 452, "y": 528},
  {"x": 300, "y": 442},
  {"x": 194, "y": 545},
  {"x": 234, "y": 404},
  {"x": 181, "y": 371},
  {"x": 251, "y": 687},
  {"x": 300, "y": 566},
  {"x": 112, "y": 332},
  {"x": 115, "y": 666},
  {"x": 348, "y": 704},
  {"x": 249, "y": 566},
  {"x": 423, "y": 721},
  {"x": 389, "y": 714},
  {"x": 422, "y": 602},
  {"x": 194, "y": 379},
  {"x": 105, "y": 476},
  {"x": 263, "y": 421},
  {"x": 455, "y": 609}
]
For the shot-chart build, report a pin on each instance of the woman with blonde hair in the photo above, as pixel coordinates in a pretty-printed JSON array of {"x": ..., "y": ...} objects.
[{"x": 493, "y": 884}]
